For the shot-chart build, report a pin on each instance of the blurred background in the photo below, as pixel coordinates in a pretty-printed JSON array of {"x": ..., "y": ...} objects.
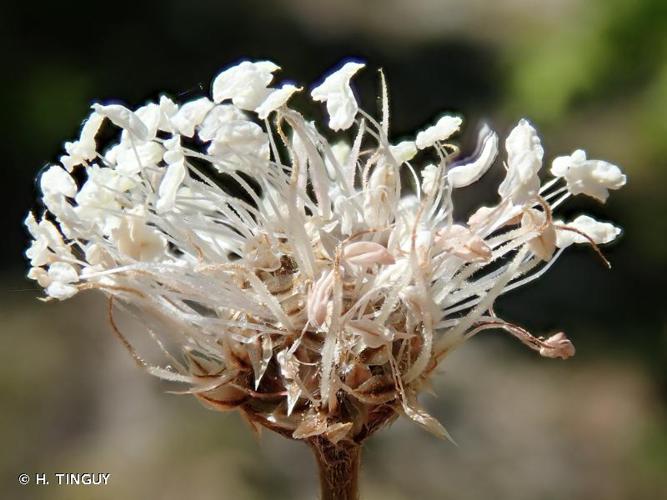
[{"x": 588, "y": 73}]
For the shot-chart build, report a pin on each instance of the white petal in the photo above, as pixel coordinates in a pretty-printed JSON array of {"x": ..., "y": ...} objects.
[
  {"x": 38, "y": 252},
  {"x": 40, "y": 275},
  {"x": 599, "y": 232},
  {"x": 237, "y": 140},
  {"x": 61, "y": 291},
  {"x": 85, "y": 149},
  {"x": 190, "y": 115},
  {"x": 96, "y": 200},
  {"x": 63, "y": 272},
  {"x": 150, "y": 115},
  {"x": 130, "y": 160},
  {"x": 124, "y": 118},
  {"x": 56, "y": 181},
  {"x": 403, "y": 151},
  {"x": 441, "y": 131},
  {"x": 275, "y": 99},
  {"x": 218, "y": 116},
  {"x": 168, "y": 108},
  {"x": 137, "y": 240},
  {"x": 429, "y": 179},
  {"x": 561, "y": 165},
  {"x": 524, "y": 160},
  {"x": 245, "y": 84},
  {"x": 90, "y": 128},
  {"x": 171, "y": 181},
  {"x": 335, "y": 90},
  {"x": 467, "y": 173},
  {"x": 590, "y": 177}
]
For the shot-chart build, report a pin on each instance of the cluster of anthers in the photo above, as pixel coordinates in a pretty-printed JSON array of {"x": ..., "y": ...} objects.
[{"x": 293, "y": 278}]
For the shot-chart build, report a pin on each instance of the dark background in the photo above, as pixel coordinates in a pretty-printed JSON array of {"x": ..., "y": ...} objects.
[{"x": 589, "y": 74}]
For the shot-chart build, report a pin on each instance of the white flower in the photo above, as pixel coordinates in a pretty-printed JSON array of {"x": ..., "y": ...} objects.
[
  {"x": 130, "y": 158},
  {"x": 599, "y": 232},
  {"x": 60, "y": 278},
  {"x": 335, "y": 90},
  {"x": 591, "y": 177},
  {"x": 47, "y": 244},
  {"x": 466, "y": 173},
  {"x": 151, "y": 116},
  {"x": 56, "y": 182},
  {"x": 316, "y": 282},
  {"x": 99, "y": 197},
  {"x": 124, "y": 118},
  {"x": 524, "y": 160},
  {"x": 444, "y": 128},
  {"x": 221, "y": 115},
  {"x": 430, "y": 179},
  {"x": 190, "y": 115},
  {"x": 245, "y": 84},
  {"x": 403, "y": 151},
  {"x": 236, "y": 140},
  {"x": 167, "y": 109},
  {"x": 171, "y": 182},
  {"x": 275, "y": 99},
  {"x": 136, "y": 240},
  {"x": 85, "y": 149}
]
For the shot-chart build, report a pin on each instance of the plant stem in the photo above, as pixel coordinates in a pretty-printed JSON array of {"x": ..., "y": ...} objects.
[{"x": 338, "y": 467}]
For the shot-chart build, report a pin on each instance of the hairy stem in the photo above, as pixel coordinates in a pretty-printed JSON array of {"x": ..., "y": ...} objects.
[{"x": 338, "y": 467}]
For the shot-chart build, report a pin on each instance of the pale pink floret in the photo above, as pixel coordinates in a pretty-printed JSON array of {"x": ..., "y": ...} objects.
[
  {"x": 319, "y": 298},
  {"x": 367, "y": 253}
]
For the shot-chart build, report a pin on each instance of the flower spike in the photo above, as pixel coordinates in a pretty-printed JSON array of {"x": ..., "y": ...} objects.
[{"x": 310, "y": 289}]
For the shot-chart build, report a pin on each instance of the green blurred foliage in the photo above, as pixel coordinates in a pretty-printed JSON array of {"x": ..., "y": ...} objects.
[{"x": 607, "y": 50}]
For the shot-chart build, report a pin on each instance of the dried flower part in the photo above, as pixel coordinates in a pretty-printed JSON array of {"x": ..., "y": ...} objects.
[
  {"x": 462, "y": 242},
  {"x": 544, "y": 244},
  {"x": 319, "y": 298},
  {"x": 313, "y": 292},
  {"x": 371, "y": 333},
  {"x": 557, "y": 346},
  {"x": 367, "y": 253}
]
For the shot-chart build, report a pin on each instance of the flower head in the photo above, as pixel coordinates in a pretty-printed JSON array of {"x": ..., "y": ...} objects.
[{"x": 296, "y": 278}]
